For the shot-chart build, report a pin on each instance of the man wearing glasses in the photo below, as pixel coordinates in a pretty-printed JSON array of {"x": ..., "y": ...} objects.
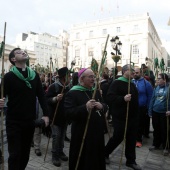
[
  {"x": 78, "y": 104},
  {"x": 22, "y": 85}
]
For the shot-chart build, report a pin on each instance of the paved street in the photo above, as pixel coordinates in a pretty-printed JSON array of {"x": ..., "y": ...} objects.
[{"x": 147, "y": 160}]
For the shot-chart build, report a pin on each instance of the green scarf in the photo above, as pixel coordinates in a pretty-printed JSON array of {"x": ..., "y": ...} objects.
[
  {"x": 81, "y": 88},
  {"x": 124, "y": 79},
  {"x": 31, "y": 75}
]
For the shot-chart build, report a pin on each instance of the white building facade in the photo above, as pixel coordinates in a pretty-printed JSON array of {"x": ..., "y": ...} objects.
[
  {"x": 136, "y": 32},
  {"x": 47, "y": 48},
  {"x": 8, "y": 49}
]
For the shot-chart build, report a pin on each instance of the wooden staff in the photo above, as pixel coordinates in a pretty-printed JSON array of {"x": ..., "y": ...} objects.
[
  {"x": 55, "y": 113},
  {"x": 50, "y": 69},
  {"x": 2, "y": 96},
  {"x": 89, "y": 113},
  {"x": 127, "y": 111},
  {"x": 167, "y": 119}
]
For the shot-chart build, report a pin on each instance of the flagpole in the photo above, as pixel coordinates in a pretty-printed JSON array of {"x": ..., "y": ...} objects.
[
  {"x": 89, "y": 113},
  {"x": 2, "y": 96},
  {"x": 50, "y": 69}
]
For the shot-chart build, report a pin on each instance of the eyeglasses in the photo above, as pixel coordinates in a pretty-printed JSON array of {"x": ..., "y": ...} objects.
[
  {"x": 91, "y": 77},
  {"x": 159, "y": 78},
  {"x": 19, "y": 52}
]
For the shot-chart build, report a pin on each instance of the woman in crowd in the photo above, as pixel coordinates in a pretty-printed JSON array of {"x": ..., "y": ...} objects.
[{"x": 159, "y": 105}]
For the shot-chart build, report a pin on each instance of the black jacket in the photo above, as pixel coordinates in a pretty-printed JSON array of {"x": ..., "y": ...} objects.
[{"x": 53, "y": 90}]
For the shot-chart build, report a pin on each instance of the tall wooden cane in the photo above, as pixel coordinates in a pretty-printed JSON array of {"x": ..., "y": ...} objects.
[
  {"x": 50, "y": 69},
  {"x": 89, "y": 113},
  {"x": 55, "y": 113},
  {"x": 167, "y": 119},
  {"x": 127, "y": 112},
  {"x": 2, "y": 95}
]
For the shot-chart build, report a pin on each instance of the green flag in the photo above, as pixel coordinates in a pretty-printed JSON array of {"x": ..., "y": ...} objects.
[
  {"x": 94, "y": 66},
  {"x": 162, "y": 63},
  {"x": 156, "y": 63},
  {"x": 103, "y": 62},
  {"x": 1, "y": 48}
]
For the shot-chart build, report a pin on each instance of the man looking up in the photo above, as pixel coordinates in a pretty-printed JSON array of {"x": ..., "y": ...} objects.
[{"x": 22, "y": 85}]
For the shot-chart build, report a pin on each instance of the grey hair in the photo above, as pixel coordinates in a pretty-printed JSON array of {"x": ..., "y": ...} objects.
[{"x": 126, "y": 67}]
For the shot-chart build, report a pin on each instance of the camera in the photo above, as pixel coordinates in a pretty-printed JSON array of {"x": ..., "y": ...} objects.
[{"x": 39, "y": 123}]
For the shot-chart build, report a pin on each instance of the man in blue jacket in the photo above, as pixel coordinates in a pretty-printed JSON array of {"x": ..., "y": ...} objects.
[{"x": 144, "y": 95}]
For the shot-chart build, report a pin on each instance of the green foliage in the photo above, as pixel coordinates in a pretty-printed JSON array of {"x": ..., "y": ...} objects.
[
  {"x": 1, "y": 48},
  {"x": 94, "y": 66},
  {"x": 162, "y": 64}
]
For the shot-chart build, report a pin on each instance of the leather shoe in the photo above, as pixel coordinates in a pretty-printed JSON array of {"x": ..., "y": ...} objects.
[
  {"x": 153, "y": 148},
  {"x": 1, "y": 160},
  {"x": 107, "y": 160},
  {"x": 63, "y": 157},
  {"x": 134, "y": 166},
  {"x": 56, "y": 162},
  {"x": 38, "y": 152},
  {"x": 67, "y": 139}
]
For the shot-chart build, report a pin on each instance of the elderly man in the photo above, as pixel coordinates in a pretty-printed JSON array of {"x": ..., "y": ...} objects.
[
  {"x": 118, "y": 96},
  {"x": 22, "y": 85},
  {"x": 78, "y": 104}
]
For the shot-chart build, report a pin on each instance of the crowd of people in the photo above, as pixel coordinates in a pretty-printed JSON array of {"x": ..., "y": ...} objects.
[{"x": 39, "y": 103}]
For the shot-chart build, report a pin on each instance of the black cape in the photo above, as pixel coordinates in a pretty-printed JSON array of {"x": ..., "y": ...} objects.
[{"x": 92, "y": 157}]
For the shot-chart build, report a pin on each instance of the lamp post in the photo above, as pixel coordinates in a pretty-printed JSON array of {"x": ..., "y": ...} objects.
[
  {"x": 73, "y": 64},
  {"x": 116, "y": 45}
]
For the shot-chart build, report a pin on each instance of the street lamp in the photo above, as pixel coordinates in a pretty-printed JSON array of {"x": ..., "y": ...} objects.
[
  {"x": 73, "y": 63},
  {"x": 116, "y": 45}
]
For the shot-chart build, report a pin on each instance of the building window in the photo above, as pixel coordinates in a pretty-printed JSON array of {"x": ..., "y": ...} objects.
[
  {"x": 91, "y": 34},
  {"x": 77, "y": 56},
  {"x": 90, "y": 55},
  {"x": 135, "y": 53},
  {"x": 77, "y": 53},
  {"x": 135, "y": 28},
  {"x": 77, "y": 35},
  {"x": 104, "y": 31},
  {"x": 118, "y": 29},
  {"x": 135, "y": 49}
]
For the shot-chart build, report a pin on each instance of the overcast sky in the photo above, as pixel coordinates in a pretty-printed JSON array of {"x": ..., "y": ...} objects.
[{"x": 51, "y": 15}]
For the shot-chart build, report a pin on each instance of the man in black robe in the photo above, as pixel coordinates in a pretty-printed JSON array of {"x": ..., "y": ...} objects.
[
  {"x": 118, "y": 96},
  {"x": 78, "y": 103},
  {"x": 22, "y": 85}
]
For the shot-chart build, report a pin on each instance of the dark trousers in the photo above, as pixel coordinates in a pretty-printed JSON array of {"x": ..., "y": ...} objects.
[
  {"x": 159, "y": 122},
  {"x": 143, "y": 123},
  {"x": 117, "y": 138},
  {"x": 19, "y": 136}
]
